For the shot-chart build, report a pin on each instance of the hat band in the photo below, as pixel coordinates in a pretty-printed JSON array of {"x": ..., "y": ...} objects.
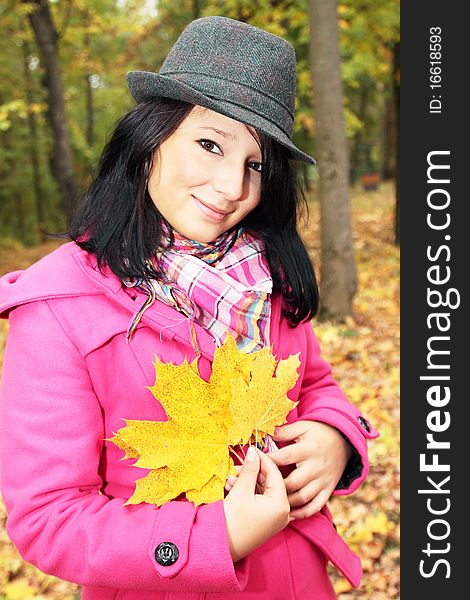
[{"x": 241, "y": 95}]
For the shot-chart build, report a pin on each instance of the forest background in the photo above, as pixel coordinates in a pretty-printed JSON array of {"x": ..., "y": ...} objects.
[{"x": 95, "y": 44}]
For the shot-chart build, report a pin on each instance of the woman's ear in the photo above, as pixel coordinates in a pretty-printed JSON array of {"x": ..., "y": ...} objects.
[{"x": 153, "y": 173}]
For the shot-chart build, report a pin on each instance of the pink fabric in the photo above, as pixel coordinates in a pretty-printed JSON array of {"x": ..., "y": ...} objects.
[
  {"x": 69, "y": 379},
  {"x": 230, "y": 294}
]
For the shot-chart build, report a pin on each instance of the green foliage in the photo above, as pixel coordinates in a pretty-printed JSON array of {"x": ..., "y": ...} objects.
[{"x": 99, "y": 42}]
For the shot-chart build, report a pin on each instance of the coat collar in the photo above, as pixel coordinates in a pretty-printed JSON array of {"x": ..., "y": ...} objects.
[
  {"x": 159, "y": 316},
  {"x": 70, "y": 271}
]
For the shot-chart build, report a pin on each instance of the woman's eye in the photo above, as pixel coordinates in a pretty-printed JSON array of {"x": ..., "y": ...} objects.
[
  {"x": 256, "y": 166},
  {"x": 213, "y": 148},
  {"x": 209, "y": 145}
]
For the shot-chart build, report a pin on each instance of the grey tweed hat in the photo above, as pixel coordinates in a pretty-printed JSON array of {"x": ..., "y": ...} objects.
[{"x": 233, "y": 68}]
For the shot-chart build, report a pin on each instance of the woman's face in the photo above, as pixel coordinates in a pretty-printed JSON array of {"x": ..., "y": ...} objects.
[{"x": 207, "y": 175}]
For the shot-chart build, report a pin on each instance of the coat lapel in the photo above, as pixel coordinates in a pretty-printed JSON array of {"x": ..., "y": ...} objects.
[{"x": 166, "y": 320}]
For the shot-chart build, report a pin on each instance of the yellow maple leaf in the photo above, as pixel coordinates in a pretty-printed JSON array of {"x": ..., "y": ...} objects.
[
  {"x": 189, "y": 453},
  {"x": 261, "y": 402}
]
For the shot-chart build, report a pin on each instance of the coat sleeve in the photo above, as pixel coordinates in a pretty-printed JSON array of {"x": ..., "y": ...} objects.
[
  {"x": 321, "y": 399},
  {"x": 60, "y": 521}
]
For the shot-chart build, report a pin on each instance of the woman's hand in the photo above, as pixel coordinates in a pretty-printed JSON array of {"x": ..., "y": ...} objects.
[
  {"x": 252, "y": 518},
  {"x": 320, "y": 454}
]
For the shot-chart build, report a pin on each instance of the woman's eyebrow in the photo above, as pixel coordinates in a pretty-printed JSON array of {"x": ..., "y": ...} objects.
[{"x": 224, "y": 134}]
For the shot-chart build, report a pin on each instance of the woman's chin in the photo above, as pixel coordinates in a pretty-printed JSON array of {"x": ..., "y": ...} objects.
[{"x": 200, "y": 234}]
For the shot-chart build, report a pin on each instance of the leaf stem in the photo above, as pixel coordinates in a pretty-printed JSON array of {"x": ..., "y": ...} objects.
[{"x": 241, "y": 459}]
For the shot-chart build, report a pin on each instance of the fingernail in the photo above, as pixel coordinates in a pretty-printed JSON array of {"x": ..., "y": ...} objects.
[
  {"x": 291, "y": 518},
  {"x": 231, "y": 479},
  {"x": 251, "y": 454}
]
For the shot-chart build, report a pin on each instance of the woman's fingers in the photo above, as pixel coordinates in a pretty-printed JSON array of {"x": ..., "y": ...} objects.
[
  {"x": 312, "y": 507},
  {"x": 304, "y": 495},
  {"x": 289, "y": 431},
  {"x": 290, "y": 455},
  {"x": 273, "y": 482},
  {"x": 246, "y": 480},
  {"x": 268, "y": 480},
  {"x": 254, "y": 515},
  {"x": 230, "y": 482},
  {"x": 231, "y": 479},
  {"x": 299, "y": 478}
]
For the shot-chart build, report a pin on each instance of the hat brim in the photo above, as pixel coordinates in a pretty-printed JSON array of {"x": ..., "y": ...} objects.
[{"x": 145, "y": 85}]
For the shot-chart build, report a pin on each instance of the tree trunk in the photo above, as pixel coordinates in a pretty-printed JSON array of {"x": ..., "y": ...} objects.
[
  {"x": 338, "y": 281},
  {"x": 62, "y": 159},
  {"x": 396, "y": 97},
  {"x": 34, "y": 145}
]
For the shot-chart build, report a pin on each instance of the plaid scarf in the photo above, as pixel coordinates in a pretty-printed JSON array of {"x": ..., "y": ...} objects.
[{"x": 224, "y": 286}]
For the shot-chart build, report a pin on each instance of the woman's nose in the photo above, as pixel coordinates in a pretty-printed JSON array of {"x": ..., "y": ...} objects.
[{"x": 230, "y": 181}]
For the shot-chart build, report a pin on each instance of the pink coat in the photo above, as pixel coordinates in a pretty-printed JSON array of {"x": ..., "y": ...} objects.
[{"x": 69, "y": 379}]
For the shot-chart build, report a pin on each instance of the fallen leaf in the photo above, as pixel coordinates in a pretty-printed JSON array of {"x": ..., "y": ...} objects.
[{"x": 19, "y": 590}]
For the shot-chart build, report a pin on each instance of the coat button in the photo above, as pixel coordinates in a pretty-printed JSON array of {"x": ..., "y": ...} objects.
[
  {"x": 166, "y": 554},
  {"x": 364, "y": 423}
]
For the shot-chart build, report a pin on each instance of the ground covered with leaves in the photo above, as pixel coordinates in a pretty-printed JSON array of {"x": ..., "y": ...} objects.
[{"x": 364, "y": 353}]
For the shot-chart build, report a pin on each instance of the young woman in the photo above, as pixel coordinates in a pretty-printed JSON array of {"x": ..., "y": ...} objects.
[{"x": 187, "y": 233}]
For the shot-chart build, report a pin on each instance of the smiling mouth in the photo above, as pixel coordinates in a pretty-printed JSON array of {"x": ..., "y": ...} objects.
[{"x": 212, "y": 212}]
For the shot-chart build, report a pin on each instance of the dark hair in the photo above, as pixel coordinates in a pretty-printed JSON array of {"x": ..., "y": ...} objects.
[
  {"x": 275, "y": 221},
  {"x": 118, "y": 221}
]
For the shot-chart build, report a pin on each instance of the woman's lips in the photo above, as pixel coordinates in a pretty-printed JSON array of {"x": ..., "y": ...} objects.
[{"x": 213, "y": 214}]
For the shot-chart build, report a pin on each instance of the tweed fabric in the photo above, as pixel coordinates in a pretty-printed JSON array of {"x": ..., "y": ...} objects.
[{"x": 233, "y": 68}]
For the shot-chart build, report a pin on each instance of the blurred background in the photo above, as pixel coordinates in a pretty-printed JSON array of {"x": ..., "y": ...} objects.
[{"x": 62, "y": 89}]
